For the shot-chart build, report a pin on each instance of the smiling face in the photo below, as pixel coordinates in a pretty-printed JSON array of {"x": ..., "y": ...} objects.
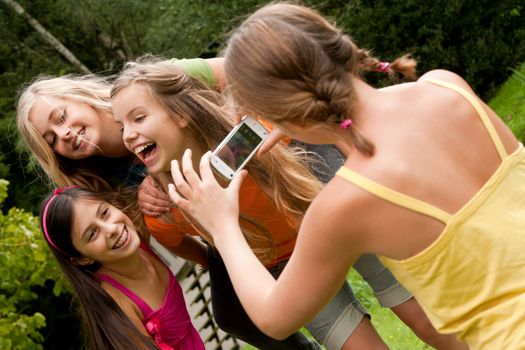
[
  {"x": 102, "y": 232},
  {"x": 74, "y": 129},
  {"x": 148, "y": 130}
]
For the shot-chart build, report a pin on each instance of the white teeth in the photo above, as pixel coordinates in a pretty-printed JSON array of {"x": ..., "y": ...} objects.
[
  {"x": 122, "y": 239},
  {"x": 79, "y": 138},
  {"x": 142, "y": 148}
]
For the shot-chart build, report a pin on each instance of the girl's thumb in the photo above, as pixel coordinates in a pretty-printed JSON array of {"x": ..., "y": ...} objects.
[{"x": 236, "y": 183}]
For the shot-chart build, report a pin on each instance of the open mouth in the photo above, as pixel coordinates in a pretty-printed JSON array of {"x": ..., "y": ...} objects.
[
  {"x": 122, "y": 239},
  {"x": 146, "y": 152},
  {"x": 78, "y": 139}
]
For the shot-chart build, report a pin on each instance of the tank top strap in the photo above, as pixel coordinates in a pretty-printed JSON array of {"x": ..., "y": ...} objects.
[
  {"x": 479, "y": 109},
  {"x": 144, "y": 308},
  {"x": 393, "y": 196}
]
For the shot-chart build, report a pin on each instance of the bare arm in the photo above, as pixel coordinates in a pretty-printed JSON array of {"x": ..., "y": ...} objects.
[
  {"x": 217, "y": 66},
  {"x": 316, "y": 270},
  {"x": 191, "y": 249},
  {"x": 188, "y": 247},
  {"x": 314, "y": 274}
]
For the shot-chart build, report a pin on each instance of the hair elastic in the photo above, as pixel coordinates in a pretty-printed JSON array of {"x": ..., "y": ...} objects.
[
  {"x": 56, "y": 192},
  {"x": 384, "y": 67},
  {"x": 345, "y": 123}
]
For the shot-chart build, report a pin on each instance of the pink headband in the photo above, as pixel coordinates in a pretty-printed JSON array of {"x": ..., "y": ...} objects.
[{"x": 56, "y": 192}]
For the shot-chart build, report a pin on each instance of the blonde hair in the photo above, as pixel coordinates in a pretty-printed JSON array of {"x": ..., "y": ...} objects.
[
  {"x": 282, "y": 173},
  {"x": 292, "y": 56},
  {"x": 90, "y": 89}
]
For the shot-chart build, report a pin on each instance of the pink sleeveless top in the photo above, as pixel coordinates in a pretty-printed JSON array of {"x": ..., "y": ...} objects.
[{"x": 170, "y": 326}]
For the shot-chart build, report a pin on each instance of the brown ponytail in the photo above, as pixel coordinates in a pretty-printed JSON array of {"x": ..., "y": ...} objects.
[
  {"x": 402, "y": 68},
  {"x": 288, "y": 63}
]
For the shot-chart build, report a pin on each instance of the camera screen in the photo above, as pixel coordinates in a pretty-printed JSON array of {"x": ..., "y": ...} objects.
[{"x": 239, "y": 147}]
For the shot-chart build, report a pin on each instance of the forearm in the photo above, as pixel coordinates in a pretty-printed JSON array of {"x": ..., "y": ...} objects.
[
  {"x": 253, "y": 284},
  {"x": 191, "y": 249}
]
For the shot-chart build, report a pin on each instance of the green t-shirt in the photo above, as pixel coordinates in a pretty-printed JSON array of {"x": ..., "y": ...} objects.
[{"x": 197, "y": 68}]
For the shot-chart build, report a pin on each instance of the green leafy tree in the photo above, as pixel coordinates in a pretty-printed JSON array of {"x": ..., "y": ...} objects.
[
  {"x": 478, "y": 39},
  {"x": 26, "y": 263}
]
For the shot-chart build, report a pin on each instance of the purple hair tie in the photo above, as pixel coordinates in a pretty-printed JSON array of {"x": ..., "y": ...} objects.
[
  {"x": 56, "y": 192},
  {"x": 345, "y": 123},
  {"x": 384, "y": 67}
]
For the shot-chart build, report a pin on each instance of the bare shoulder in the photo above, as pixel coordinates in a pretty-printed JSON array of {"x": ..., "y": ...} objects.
[
  {"x": 341, "y": 208},
  {"x": 447, "y": 100},
  {"x": 447, "y": 76},
  {"x": 331, "y": 235},
  {"x": 123, "y": 301}
]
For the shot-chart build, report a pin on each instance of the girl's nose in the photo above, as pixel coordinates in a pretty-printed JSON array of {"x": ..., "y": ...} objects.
[
  {"x": 110, "y": 229},
  {"x": 65, "y": 133},
  {"x": 129, "y": 135}
]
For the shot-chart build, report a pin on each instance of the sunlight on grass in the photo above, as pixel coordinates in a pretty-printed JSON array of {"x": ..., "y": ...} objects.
[
  {"x": 509, "y": 103},
  {"x": 394, "y": 332}
]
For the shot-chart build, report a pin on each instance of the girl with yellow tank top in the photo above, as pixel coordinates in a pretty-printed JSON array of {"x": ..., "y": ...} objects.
[{"x": 433, "y": 184}]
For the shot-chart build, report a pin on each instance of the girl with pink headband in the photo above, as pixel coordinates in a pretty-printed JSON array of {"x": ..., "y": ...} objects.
[{"x": 128, "y": 298}]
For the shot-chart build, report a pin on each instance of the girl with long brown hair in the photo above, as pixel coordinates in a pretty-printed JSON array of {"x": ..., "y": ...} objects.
[
  {"x": 433, "y": 184},
  {"x": 128, "y": 298}
]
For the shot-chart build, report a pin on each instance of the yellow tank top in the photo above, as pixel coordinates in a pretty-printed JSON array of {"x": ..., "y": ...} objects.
[{"x": 471, "y": 280}]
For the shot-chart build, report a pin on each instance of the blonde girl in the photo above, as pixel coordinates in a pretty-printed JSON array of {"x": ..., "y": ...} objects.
[{"x": 67, "y": 125}]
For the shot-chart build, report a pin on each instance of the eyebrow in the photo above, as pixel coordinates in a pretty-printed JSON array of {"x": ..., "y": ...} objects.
[
  {"x": 97, "y": 214},
  {"x": 128, "y": 114},
  {"x": 131, "y": 111}
]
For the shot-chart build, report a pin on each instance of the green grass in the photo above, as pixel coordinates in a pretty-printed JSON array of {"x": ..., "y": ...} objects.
[
  {"x": 394, "y": 332},
  {"x": 509, "y": 103}
]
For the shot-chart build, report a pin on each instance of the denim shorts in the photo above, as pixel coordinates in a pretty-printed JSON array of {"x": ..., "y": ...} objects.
[
  {"x": 334, "y": 324},
  {"x": 337, "y": 320}
]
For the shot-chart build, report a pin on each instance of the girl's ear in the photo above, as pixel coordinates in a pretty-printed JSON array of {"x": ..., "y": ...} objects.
[
  {"x": 81, "y": 261},
  {"x": 181, "y": 122}
]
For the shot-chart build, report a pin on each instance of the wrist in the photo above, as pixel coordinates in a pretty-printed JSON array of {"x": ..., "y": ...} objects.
[{"x": 226, "y": 233}]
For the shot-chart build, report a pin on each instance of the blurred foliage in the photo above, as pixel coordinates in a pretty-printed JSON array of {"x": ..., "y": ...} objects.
[
  {"x": 26, "y": 264},
  {"x": 478, "y": 39}
]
